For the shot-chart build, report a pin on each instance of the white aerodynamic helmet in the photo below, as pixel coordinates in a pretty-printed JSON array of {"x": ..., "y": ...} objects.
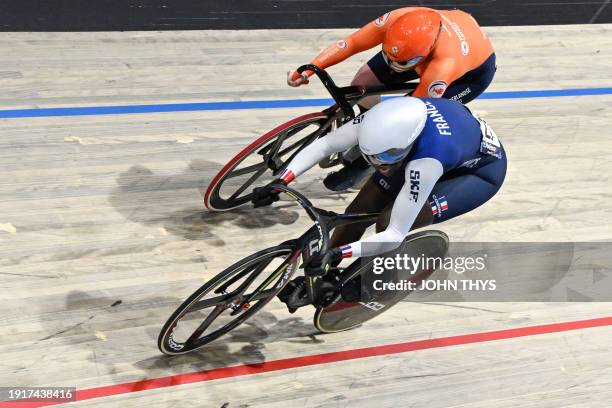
[{"x": 389, "y": 129}]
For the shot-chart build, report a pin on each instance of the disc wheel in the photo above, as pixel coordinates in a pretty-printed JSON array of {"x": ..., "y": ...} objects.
[
  {"x": 227, "y": 300},
  {"x": 339, "y": 315},
  {"x": 263, "y": 160}
]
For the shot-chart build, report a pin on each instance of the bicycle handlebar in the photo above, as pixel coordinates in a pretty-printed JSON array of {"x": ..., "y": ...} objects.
[
  {"x": 319, "y": 216},
  {"x": 331, "y": 87},
  {"x": 314, "y": 213},
  {"x": 341, "y": 94}
]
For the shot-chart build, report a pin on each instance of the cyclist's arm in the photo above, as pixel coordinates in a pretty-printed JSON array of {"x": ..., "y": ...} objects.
[
  {"x": 421, "y": 177},
  {"x": 337, "y": 141},
  {"x": 437, "y": 77},
  {"x": 369, "y": 36}
]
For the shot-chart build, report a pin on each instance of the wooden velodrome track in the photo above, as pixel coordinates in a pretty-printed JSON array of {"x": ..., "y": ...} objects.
[{"x": 103, "y": 233}]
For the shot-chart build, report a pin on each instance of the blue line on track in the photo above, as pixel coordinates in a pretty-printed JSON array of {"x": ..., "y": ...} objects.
[{"x": 265, "y": 104}]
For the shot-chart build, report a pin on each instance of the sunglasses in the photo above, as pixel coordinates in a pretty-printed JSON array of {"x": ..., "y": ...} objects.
[{"x": 387, "y": 158}]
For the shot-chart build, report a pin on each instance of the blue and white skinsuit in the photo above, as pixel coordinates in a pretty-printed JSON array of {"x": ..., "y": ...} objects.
[{"x": 455, "y": 165}]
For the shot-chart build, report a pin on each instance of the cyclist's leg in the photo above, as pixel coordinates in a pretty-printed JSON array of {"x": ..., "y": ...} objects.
[
  {"x": 369, "y": 199},
  {"x": 365, "y": 77},
  {"x": 473, "y": 83},
  {"x": 451, "y": 197},
  {"x": 459, "y": 195},
  {"x": 381, "y": 193}
]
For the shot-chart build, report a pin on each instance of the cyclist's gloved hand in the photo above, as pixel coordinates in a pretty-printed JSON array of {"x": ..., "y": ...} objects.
[
  {"x": 319, "y": 264},
  {"x": 295, "y": 79},
  {"x": 266, "y": 195}
]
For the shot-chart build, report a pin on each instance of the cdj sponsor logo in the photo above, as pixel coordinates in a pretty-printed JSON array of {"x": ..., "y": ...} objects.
[
  {"x": 342, "y": 44},
  {"x": 415, "y": 184},
  {"x": 380, "y": 21},
  {"x": 394, "y": 50},
  {"x": 384, "y": 184},
  {"x": 437, "y": 88}
]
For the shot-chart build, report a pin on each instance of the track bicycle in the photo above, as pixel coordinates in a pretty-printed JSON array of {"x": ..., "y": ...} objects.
[
  {"x": 241, "y": 290},
  {"x": 267, "y": 157}
]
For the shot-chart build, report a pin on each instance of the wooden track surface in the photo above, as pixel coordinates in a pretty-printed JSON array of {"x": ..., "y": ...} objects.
[{"x": 100, "y": 209}]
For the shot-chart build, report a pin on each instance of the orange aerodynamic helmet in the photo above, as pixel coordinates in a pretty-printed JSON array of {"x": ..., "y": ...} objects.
[{"x": 411, "y": 38}]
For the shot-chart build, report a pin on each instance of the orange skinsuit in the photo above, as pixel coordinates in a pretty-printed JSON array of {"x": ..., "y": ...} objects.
[{"x": 462, "y": 46}]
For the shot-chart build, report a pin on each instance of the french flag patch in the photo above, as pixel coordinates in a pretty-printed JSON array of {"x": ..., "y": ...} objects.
[
  {"x": 438, "y": 205},
  {"x": 347, "y": 251},
  {"x": 434, "y": 209}
]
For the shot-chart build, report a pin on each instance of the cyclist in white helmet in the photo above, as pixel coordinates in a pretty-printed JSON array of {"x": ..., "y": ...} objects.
[{"x": 434, "y": 161}]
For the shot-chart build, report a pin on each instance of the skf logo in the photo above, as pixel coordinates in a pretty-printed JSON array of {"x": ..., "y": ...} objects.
[
  {"x": 394, "y": 50},
  {"x": 380, "y": 21},
  {"x": 415, "y": 184},
  {"x": 437, "y": 89},
  {"x": 342, "y": 44}
]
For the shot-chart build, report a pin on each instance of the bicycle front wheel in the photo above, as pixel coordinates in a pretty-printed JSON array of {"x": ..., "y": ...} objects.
[
  {"x": 228, "y": 300},
  {"x": 263, "y": 160}
]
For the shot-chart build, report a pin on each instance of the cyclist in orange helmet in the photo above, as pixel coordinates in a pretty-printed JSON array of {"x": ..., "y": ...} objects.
[
  {"x": 445, "y": 49},
  {"x": 411, "y": 38}
]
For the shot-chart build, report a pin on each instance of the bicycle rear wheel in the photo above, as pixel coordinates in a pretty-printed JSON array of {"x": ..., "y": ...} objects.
[
  {"x": 339, "y": 315},
  {"x": 263, "y": 160},
  {"x": 227, "y": 300}
]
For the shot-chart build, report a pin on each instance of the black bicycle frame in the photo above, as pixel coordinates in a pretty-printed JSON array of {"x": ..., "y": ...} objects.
[
  {"x": 315, "y": 240},
  {"x": 324, "y": 221}
]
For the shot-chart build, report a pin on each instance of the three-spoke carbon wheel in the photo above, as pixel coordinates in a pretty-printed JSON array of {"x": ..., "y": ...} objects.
[
  {"x": 263, "y": 160},
  {"x": 227, "y": 300}
]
